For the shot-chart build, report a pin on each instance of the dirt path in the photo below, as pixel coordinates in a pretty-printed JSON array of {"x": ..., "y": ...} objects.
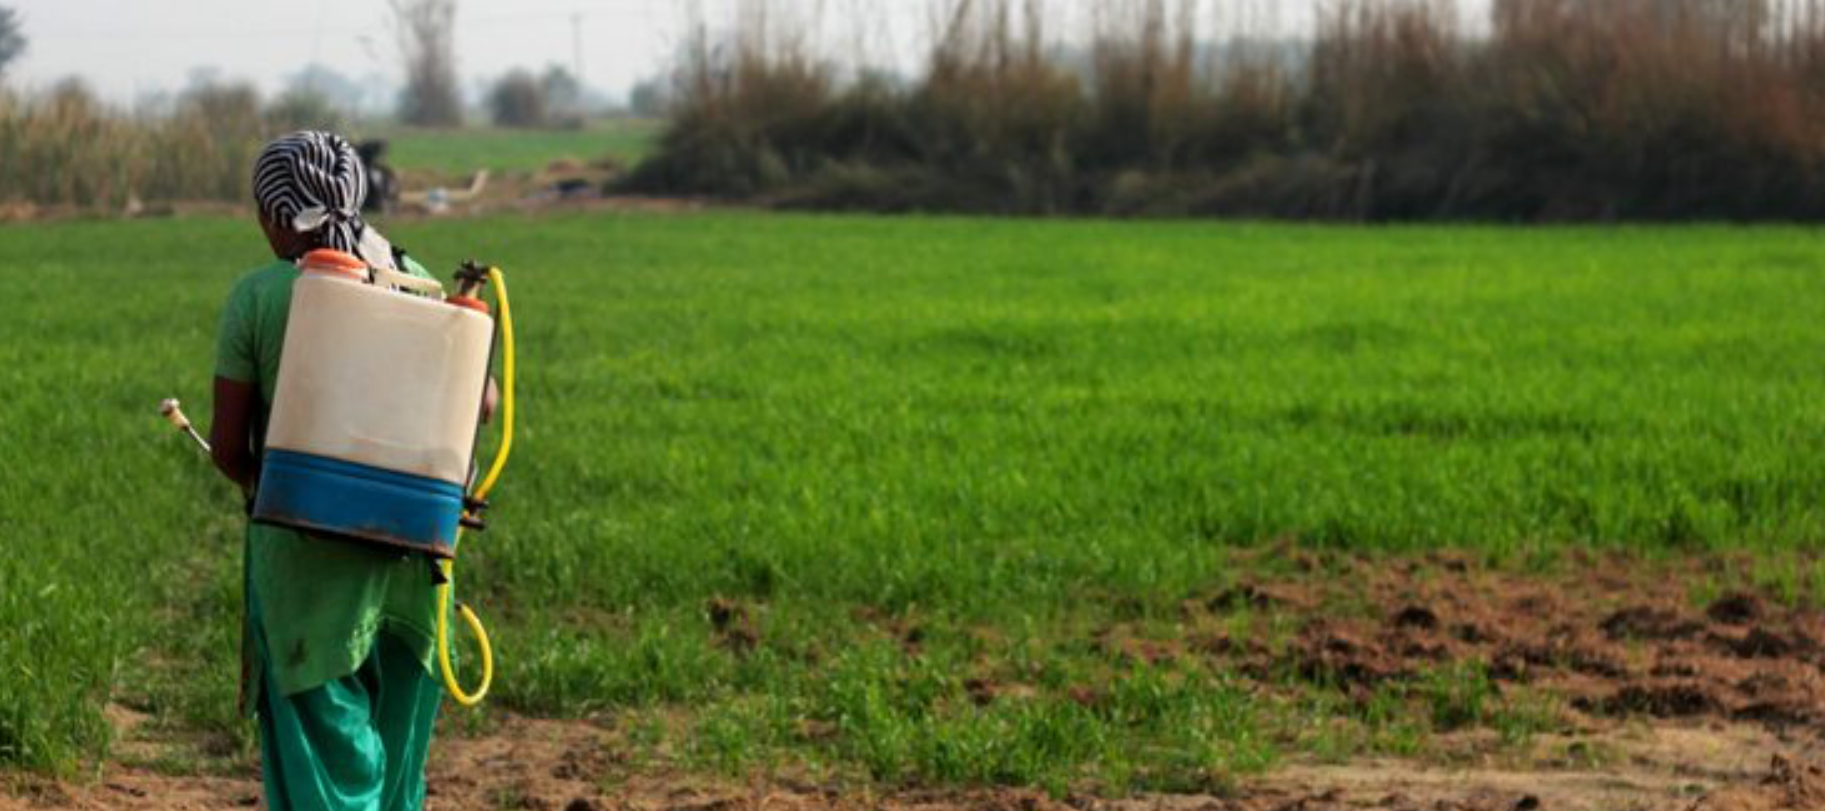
[{"x": 561, "y": 766}]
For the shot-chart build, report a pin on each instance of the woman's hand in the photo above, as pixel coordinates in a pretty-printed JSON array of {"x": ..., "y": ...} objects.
[{"x": 491, "y": 400}]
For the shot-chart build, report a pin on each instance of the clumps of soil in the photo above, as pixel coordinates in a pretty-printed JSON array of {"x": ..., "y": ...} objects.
[
  {"x": 1117, "y": 643},
  {"x": 1649, "y": 622},
  {"x": 733, "y": 626},
  {"x": 1615, "y": 637},
  {"x": 1737, "y": 608},
  {"x": 1789, "y": 785},
  {"x": 1416, "y": 616},
  {"x": 1256, "y": 596},
  {"x": 983, "y": 692},
  {"x": 1672, "y": 705}
]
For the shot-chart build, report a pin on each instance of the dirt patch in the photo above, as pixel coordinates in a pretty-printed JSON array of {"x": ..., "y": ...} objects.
[
  {"x": 1670, "y": 703},
  {"x": 733, "y": 626},
  {"x": 1615, "y": 637},
  {"x": 1787, "y": 785},
  {"x": 578, "y": 766},
  {"x": 1670, "y": 768}
]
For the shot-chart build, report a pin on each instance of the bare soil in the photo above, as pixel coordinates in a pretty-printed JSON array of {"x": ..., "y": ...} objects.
[{"x": 1673, "y": 698}]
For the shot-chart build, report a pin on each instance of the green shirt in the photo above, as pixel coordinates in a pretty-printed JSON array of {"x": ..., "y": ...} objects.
[{"x": 318, "y": 602}]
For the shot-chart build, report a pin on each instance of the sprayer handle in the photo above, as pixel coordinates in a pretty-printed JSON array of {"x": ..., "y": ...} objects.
[{"x": 406, "y": 281}]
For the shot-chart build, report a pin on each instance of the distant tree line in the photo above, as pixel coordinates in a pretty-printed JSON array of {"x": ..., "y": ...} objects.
[
  {"x": 426, "y": 38},
  {"x": 524, "y": 99},
  {"x": 1553, "y": 110}
]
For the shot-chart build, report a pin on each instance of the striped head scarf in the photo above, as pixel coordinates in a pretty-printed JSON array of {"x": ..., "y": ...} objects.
[{"x": 314, "y": 183}]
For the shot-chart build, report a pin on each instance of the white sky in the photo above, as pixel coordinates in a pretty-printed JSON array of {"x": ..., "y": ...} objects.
[{"x": 128, "y": 49}]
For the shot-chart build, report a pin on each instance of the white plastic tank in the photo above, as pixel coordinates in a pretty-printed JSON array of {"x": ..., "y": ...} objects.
[{"x": 380, "y": 378}]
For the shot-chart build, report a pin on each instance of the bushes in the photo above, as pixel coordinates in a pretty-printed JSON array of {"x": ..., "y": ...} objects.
[
  {"x": 65, "y": 148},
  {"x": 304, "y": 108},
  {"x": 521, "y": 99},
  {"x": 517, "y": 100},
  {"x": 1398, "y": 109}
]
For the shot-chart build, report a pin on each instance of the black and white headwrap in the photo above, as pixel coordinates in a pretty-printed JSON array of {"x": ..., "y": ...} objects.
[{"x": 313, "y": 182}]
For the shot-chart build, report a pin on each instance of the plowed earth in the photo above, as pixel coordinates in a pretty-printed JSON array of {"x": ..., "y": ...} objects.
[{"x": 1675, "y": 693}]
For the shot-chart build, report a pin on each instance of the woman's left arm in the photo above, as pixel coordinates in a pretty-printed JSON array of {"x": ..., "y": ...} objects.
[{"x": 231, "y": 430}]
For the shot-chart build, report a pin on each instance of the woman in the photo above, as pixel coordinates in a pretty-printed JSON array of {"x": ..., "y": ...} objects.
[{"x": 338, "y": 638}]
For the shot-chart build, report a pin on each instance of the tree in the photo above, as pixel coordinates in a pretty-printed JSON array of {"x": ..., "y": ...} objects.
[
  {"x": 563, "y": 94},
  {"x": 344, "y": 93},
  {"x": 426, "y": 30},
  {"x": 302, "y": 107},
  {"x": 518, "y": 100},
  {"x": 649, "y": 99},
  {"x": 12, "y": 39}
]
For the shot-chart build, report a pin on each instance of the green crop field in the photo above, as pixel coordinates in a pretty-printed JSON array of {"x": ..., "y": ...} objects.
[
  {"x": 461, "y": 151},
  {"x": 786, "y": 486}
]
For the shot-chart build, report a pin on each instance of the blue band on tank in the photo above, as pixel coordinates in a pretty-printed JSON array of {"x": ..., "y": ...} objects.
[{"x": 358, "y": 502}]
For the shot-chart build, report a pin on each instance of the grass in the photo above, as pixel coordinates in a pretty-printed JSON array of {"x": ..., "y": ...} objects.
[
  {"x": 462, "y": 151},
  {"x": 810, "y": 486}
]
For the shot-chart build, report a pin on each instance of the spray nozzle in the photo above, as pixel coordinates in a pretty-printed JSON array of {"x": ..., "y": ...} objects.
[{"x": 173, "y": 413}]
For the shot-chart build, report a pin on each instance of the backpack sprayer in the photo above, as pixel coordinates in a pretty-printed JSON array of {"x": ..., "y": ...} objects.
[{"x": 376, "y": 416}]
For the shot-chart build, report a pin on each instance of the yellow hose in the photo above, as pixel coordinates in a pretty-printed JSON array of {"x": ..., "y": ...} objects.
[
  {"x": 500, "y": 458},
  {"x": 443, "y": 643},
  {"x": 455, "y": 689}
]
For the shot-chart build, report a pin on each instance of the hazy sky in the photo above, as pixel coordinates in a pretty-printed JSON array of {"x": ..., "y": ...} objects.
[
  {"x": 130, "y": 48},
  {"x": 127, "y": 49}
]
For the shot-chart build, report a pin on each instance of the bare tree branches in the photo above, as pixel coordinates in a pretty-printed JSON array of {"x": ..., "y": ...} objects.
[{"x": 426, "y": 35}]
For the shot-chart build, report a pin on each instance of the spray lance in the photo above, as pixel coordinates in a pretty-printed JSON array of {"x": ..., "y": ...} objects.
[
  {"x": 376, "y": 416},
  {"x": 173, "y": 412}
]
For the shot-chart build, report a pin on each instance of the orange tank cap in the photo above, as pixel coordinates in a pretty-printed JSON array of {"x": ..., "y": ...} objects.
[
  {"x": 329, "y": 260},
  {"x": 469, "y": 302}
]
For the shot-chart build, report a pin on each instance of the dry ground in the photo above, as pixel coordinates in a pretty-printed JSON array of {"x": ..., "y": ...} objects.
[
  {"x": 1670, "y": 698},
  {"x": 530, "y": 764}
]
